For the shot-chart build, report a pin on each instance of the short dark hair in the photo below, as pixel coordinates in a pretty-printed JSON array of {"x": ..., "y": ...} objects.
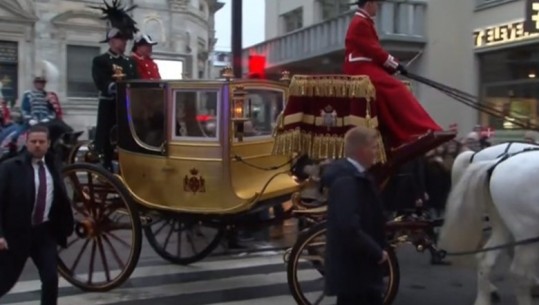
[{"x": 39, "y": 128}]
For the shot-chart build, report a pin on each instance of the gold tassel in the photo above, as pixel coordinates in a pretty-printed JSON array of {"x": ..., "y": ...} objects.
[{"x": 359, "y": 86}]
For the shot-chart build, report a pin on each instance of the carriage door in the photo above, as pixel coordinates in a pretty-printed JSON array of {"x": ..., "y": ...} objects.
[{"x": 144, "y": 120}]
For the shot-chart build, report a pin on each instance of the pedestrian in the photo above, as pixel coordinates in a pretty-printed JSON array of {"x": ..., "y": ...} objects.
[
  {"x": 356, "y": 241},
  {"x": 35, "y": 215}
]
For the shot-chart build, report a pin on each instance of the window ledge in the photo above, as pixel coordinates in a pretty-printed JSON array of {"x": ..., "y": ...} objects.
[{"x": 484, "y": 6}]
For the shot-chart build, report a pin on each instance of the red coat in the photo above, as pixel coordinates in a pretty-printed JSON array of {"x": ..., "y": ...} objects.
[
  {"x": 55, "y": 102},
  {"x": 146, "y": 67},
  {"x": 402, "y": 117},
  {"x": 6, "y": 114}
]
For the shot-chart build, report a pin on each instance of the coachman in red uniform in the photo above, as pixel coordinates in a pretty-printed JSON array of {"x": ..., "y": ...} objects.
[
  {"x": 402, "y": 118},
  {"x": 142, "y": 55}
]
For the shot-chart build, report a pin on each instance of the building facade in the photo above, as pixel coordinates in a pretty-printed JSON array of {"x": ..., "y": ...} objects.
[
  {"x": 508, "y": 64},
  {"x": 475, "y": 46},
  {"x": 67, "y": 33},
  {"x": 220, "y": 60}
]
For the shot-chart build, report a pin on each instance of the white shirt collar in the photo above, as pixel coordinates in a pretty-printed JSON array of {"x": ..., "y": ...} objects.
[
  {"x": 363, "y": 13},
  {"x": 35, "y": 160},
  {"x": 356, "y": 164}
]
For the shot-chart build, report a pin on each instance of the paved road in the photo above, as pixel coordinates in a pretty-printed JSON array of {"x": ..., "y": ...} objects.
[{"x": 258, "y": 279}]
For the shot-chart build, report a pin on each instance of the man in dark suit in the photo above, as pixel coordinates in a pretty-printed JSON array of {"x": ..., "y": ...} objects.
[
  {"x": 35, "y": 215},
  {"x": 355, "y": 224}
]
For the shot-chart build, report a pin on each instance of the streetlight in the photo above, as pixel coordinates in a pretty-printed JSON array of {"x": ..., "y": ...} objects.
[{"x": 237, "y": 30}]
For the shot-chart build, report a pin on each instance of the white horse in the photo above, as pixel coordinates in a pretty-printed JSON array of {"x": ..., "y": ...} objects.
[
  {"x": 464, "y": 159},
  {"x": 510, "y": 197}
]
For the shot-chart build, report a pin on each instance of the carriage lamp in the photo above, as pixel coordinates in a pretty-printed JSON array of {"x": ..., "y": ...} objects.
[
  {"x": 227, "y": 73},
  {"x": 285, "y": 76},
  {"x": 238, "y": 112}
]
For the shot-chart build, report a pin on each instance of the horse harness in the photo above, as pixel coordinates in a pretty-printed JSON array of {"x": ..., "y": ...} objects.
[{"x": 504, "y": 156}]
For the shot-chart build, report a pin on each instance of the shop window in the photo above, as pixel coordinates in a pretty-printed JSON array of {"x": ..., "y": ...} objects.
[
  {"x": 9, "y": 55},
  {"x": 516, "y": 102},
  {"x": 510, "y": 85},
  {"x": 79, "y": 71}
]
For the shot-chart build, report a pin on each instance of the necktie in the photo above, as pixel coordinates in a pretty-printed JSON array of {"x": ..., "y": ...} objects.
[{"x": 41, "y": 195}]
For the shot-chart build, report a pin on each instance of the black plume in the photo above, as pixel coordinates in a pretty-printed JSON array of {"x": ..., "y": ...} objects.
[{"x": 118, "y": 18}]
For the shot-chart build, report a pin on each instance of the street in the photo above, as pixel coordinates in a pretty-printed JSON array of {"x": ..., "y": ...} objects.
[{"x": 256, "y": 278}]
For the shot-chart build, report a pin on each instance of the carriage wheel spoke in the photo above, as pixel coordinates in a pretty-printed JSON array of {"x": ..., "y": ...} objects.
[
  {"x": 69, "y": 244},
  {"x": 165, "y": 222},
  {"x": 92, "y": 258},
  {"x": 179, "y": 245},
  {"x": 123, "y": 242},
  {"x": 78, "y": 189},
  {"x": 190, "y": 239},
  {"x": 319, "y": 299},
  {"x": 77, "y": 259},
  {"x": 93, "y": 210},
  {"x": 167, "y": 240},
  {"x": 114, "y": 253},
  {"x": 111, "y": 208},
  {"x": 103, "y": 259}
]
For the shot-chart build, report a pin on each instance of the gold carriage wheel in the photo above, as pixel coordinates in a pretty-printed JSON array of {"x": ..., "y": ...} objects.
[
  {"x": 312, "y": 234},
  {"x": 105, "y": 247}
]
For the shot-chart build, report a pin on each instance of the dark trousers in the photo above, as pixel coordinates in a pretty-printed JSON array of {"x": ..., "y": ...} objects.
[
  {"x": 370, "y": 298},
  {"x": 43, "y": 251},
  {"x": 106, "y": 119}
]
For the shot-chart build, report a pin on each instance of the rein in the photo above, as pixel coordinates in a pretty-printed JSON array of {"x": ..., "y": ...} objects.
[
  {"x": 444, "y": 253},
  {"x": 469, "y": 100},
  {"x": 270, "y": 168}
]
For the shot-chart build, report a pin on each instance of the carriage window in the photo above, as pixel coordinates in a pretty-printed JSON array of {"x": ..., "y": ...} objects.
[
  {"x": 146, "y": 106},
  {"x": 262, "y": 108},
  {"x": 196, "y": 115}
]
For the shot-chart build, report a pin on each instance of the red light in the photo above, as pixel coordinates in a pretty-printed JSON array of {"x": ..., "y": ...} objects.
[
  {"x": 204, "y": 118},
  {"x": 257, "y": 66}
]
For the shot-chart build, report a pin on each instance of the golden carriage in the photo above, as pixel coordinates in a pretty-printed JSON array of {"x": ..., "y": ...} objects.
[{"x": 195, "y": 157}]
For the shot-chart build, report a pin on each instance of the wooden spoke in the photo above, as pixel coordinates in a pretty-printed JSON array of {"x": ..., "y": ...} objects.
[{"x": 104, "y": 216}]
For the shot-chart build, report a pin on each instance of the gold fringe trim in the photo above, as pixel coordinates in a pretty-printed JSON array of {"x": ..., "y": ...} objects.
[
  {"x": 318, "y": 146},
  {"x": 357, "y": 86}
]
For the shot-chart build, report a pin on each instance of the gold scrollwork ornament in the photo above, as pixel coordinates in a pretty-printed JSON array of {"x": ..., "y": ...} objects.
[{"x": 118, "y": 72}]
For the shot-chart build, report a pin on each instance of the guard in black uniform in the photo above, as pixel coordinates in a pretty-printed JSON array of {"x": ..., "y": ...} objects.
[{"x": 108, "y": 68}]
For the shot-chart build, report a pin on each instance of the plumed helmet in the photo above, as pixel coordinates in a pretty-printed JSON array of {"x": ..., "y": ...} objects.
[
  {"x": 119, "y": 23},
  {"x": 45, "y": 71},
  {"x": 141, "y": 39}
]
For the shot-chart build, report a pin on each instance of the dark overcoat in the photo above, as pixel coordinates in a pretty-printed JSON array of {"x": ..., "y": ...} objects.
[
  {"x": 355, "y": 231},
  {"x": 17, "y": 193}
]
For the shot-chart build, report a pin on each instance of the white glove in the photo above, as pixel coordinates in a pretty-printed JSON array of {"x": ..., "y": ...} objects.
[
  {"x": 112, "y": 88},
  {"x": 46, "y": 120},
  {"x": 32, "y": 122}
]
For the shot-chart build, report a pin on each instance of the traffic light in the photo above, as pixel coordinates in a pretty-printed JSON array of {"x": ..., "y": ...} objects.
[{"x": 257, "y": 66}]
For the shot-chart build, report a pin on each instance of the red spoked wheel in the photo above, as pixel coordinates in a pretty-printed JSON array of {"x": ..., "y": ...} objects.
[{"x": 105, "y": 247}]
